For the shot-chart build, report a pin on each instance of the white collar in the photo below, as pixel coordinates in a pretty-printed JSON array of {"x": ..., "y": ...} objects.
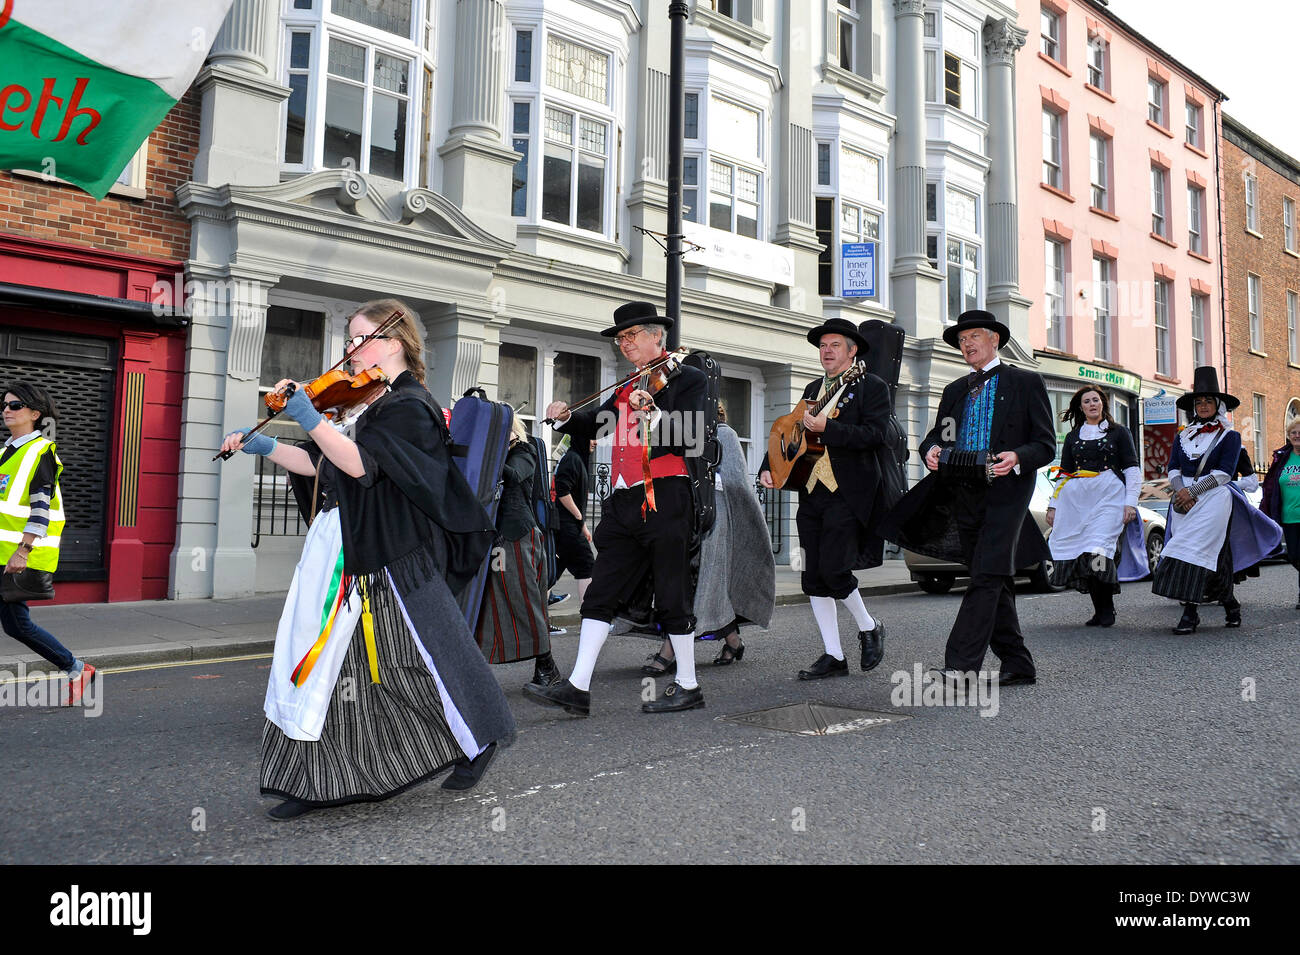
[
  {"x": 993, "y": 364},
  {"x": 13, "y": 442}
]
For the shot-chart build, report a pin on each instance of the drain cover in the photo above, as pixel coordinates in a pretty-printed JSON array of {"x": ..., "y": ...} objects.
[{"x": 815, "y": 719}]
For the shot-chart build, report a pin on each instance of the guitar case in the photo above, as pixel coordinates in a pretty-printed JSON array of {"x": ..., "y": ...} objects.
[
  {"x": 480, "y": 434},
  {"x": 884, "y": 359}
]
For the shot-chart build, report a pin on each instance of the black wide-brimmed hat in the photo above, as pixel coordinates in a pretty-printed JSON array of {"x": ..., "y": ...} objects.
[
  {"x": 636, "y": 313},
  {"x": 1205, "y": 382},
  {"x": 839, "y": 326},
  {"x": 976, "y": 318}
]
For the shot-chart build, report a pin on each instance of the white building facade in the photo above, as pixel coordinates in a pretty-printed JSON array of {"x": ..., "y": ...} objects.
[{"x": 501, "y": 165}]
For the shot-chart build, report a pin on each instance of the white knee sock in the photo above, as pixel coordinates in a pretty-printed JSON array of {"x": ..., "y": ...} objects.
[
  {"x": 859, "y": 610},
  {"x": 684, "y": 654},
  {"x": 590, "y": 640},
  {"x": 823, "y": 609}
]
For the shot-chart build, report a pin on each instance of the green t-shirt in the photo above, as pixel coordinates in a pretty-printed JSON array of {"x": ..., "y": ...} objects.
[{"x": 1289, "y": 484}]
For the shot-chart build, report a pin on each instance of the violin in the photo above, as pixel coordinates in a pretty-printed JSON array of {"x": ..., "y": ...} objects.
[
  {"x": 656, "y": 374},
  {"x": 335, "y": 393}
]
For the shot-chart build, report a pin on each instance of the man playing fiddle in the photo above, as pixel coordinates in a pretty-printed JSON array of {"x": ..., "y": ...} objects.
[{"x": 647, "y": 523}]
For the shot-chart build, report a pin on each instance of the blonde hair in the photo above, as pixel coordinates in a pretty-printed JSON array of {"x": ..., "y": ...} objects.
[
  {"x": 517, "y": 430},
  {"x": 1291, "y": 424},
  {"x": 405, "y": 331}
]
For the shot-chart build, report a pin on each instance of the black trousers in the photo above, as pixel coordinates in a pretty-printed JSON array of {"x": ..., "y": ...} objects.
[
  {"x": 572, "y": 552},
  {"x": 628, "y": 546},
  {"x": 828, "y": 536},
  {"x": 987, "y": 617}
]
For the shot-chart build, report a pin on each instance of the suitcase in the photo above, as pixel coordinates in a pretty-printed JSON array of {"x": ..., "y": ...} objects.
[{"x": 480, "y": 434}]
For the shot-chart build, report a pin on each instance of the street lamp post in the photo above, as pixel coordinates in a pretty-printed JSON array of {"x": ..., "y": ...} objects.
[{"x": 677, "y": 13}]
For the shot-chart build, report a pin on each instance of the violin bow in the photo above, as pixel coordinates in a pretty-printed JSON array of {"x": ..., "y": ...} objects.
[
  {"x": 380, "y": 329},
  {"x": 662, "y": 359}
]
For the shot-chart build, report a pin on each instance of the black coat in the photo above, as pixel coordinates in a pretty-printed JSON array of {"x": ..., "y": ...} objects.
[
  {"x": 860, "y": 426},
  {"x": 680, "y": 429},
  {"x": 1022, "y": 422},
  {"x": 515, "y": 514}
]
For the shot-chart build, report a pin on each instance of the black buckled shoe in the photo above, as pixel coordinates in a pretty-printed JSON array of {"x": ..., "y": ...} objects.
[
  {"x": 1016, "y": 679},
  {"x": 1190, "y": 620},
  {"x": 825, "y": 666},
  {"x": 676, "y": 698},
  {"x": 468, "y": 772},
  {"x": 873, "y": 646},
  {"x": 563, "y": 694}
]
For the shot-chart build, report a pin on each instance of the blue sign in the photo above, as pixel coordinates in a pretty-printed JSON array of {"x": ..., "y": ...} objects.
[{"x": 858, "y": 269}]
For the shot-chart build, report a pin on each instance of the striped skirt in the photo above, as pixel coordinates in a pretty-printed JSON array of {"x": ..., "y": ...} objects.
[
  {"x": 513, "y": 622},
  {"x": 1193, "y": 584},
  {"x": 378, "y": 738}
]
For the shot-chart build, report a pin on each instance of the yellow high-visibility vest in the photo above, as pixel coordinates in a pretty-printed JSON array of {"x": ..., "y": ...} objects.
[{"x": 16, "y": 510}]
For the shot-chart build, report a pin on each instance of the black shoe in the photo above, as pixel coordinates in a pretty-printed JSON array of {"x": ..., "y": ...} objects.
[
  {"x": 1190, "y": 621},
  {"x": 1102, "y": 618},
  {"x": 289, "y": 809},
  {"x": 1016, "y": 679},
  {"x": 468, "y": 772},
  {"x": 675, "y": 699},
  {"x": 554, "y": 599},
  {"x": 729, "y": 654},
  {"x": 664, "y": 665},
  {"x": 545, "y": 672},
  {"x": 825, "y": 666},
  {"x": 1232, "y": 614},
  {"x": 873, "y": 646},
  {"x": 563, "y": 694}
]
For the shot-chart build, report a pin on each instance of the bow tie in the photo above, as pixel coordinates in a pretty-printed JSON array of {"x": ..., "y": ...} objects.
[{"x": 975, "y": 380}]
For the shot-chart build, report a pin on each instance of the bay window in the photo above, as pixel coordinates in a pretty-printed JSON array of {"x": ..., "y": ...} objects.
[
  {"x": 722, "y": 169},
  {"x": 848, "y": 210}
]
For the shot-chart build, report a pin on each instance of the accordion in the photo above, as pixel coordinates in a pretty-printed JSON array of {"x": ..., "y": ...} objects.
[{"x": 966, "y": 467}]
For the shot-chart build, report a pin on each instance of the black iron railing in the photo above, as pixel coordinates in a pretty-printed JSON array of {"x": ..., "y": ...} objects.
[{"x": 275, "y": 512}]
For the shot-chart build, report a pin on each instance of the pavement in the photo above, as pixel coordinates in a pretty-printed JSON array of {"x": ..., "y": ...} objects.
[{"x": 142, "y": 632}]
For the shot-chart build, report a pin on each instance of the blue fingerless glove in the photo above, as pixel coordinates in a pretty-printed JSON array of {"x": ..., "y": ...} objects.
[
  {"x": 301, "y": 410},
  {"x": 262, "y": 444}
]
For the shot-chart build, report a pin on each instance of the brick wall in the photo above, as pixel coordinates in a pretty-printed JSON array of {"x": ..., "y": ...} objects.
[
  {"x": 149, "y": 227},
  {"x": 1266, "y": 370}
]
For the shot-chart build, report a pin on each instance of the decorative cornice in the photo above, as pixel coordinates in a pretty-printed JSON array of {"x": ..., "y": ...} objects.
[
  {"x": 709, "y": 49},
  {"x": 1002, "y": 39},
  {"x": 729, "y": 27},
  {"x": 218, "y": 74},
  {"x": 909, "y": 8},
  {"x": 850, "y": 80}
]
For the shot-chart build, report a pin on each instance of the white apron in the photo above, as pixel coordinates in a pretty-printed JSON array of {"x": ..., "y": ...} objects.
[
  {"x": 1089, "y": 517},
  {"x": 1197, "y": 536},
  {"x": 308, "y": 610}
]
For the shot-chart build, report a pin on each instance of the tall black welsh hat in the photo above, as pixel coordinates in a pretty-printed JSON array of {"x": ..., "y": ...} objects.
[{"x": 1205, "y": 382}]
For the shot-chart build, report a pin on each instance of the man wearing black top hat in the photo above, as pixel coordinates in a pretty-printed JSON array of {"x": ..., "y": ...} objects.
[
  {"x": 984, "y": 523},
  {"x": 647, "y": 523},
  {"x": 837, "y": 513}
]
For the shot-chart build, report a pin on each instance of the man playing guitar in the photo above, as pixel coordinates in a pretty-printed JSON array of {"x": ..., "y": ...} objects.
[{"x": 835, "y": 501}]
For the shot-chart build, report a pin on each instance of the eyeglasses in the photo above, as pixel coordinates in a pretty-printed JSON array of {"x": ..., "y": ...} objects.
[
  {"x": 15, "y": 405},
  {"x": 627, "y": 336},
  {"x": 356, "y": 341}
]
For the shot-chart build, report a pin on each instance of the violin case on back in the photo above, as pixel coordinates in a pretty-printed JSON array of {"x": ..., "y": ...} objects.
[{"x": 480, "y": 434}]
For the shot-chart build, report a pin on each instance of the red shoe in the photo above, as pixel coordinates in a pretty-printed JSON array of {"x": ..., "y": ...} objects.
[{"x": 77, "y": 684}]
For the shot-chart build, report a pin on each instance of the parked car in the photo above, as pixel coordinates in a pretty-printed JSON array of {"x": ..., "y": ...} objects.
[{"x": 937, "y": 576}]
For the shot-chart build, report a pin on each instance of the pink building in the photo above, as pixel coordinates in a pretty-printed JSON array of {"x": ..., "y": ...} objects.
[{"x": 1119, "y": 208}]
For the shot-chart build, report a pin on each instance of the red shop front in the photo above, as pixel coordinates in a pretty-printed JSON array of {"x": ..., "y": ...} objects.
[{"x": 97, "y": 330}]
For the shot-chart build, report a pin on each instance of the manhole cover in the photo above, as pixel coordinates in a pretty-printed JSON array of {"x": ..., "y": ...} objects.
[{"x": 815, "y": 719}]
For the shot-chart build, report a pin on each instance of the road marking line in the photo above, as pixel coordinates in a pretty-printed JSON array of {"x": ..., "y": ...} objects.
[{"x": 145, "y": 666}]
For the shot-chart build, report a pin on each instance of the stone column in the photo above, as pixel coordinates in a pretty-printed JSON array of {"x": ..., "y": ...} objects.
[
  {"x": 476, "y": 166},
  {"x": 213, "y": 556},
  {"x": 647, "y": 201},
  {"x": 463, "y": 346},
  {"x": 1002, "y": 39},
  {"x": 240, "y": 97},
  {"x": 918, "y": 305},
  {"x": 792, "y": 133}
]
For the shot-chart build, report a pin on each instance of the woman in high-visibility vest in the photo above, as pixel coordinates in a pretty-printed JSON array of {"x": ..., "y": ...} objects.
[{"x": 31, "y": 521}]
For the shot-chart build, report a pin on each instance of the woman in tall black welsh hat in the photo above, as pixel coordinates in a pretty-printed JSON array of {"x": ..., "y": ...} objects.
[{"x": 1213, "y": 531}]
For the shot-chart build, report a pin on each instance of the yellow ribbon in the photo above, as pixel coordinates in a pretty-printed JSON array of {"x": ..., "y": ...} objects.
[
  {"x": 368, "y": 628},
  {"x": 1065, "y": 477}
]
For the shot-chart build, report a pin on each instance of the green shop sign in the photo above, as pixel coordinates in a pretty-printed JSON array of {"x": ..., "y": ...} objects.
[{"x": 1109, "y": 377}]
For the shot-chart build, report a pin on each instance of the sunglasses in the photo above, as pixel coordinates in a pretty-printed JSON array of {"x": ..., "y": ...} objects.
[
  {"x": 15, "y": 405},
  {"x": 356, "y": 341}
]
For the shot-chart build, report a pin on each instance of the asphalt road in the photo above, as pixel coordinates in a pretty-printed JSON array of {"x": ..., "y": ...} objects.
[{"x": 1136, "y": 746}]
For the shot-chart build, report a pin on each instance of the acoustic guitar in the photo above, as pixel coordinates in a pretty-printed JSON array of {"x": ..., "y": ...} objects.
[{"x": 792, "y": 452}]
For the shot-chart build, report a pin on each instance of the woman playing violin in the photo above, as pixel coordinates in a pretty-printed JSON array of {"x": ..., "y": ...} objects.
[{"x": 376, "y": 682}]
